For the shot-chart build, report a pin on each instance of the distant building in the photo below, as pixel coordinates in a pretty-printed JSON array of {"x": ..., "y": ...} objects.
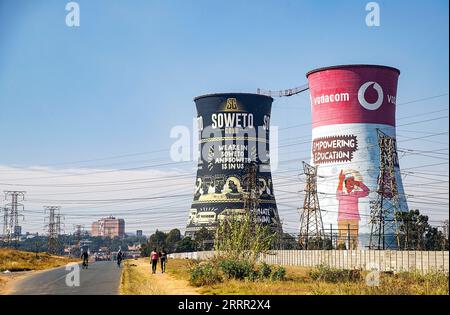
[
  {"x": 109, "y": 227},
  {"x": 29, "y": 235},
  {"x": 134, "y": 247},
  {"x": 139, "y": 233}
]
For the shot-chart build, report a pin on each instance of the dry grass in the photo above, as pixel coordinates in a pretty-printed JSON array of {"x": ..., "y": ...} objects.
[
  {"x": 397, "y": 284},
  {"x": 179, "y": 268},
  {"x": 137, "y": 279},
  {"x": 300, "y": 283},
  {"x": 14, "y": 260},
  {"x": 19, "y": 263}
]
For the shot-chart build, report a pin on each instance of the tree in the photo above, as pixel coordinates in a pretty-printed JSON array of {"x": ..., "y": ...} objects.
[
  {"x": 157, "y": 240},
  {"x": 289, "y": 242},
  {"x": 145, "y": 250},
  {"x": 172, "y": 238},
  {"x": 204, "y": 239},
  {"x": 186, "y": 244},
  {"x": 171, "y": 242},
  {"x": 320, "y": 243},
  {"x": 435, "y": 240},
  {"x": 416, "y": 233}
]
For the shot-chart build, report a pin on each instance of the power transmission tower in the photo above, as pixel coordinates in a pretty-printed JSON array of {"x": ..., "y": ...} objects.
[
  {"x": 53, "y": 227},
  {"x": 446, "y": 230},
  {"x": 13, "y": 229},
  {"x": 251, "y": 199},
  {"x": 251, "y": 202},
  {"x": 5, "y": 223},
  {"x": 78, "y": 232},
  {"x": 59, "y": 231},
  {"x": 59, "y": 223},
  {"x": 383, "y": 213},
  {"x": 311, "y": 225},
  {"x": 77, "y": 237}
]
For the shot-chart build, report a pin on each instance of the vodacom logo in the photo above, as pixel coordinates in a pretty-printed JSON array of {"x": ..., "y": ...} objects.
[{"x": 362, "y": 99}]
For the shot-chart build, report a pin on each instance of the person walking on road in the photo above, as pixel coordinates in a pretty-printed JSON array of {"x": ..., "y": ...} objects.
[
  {"x": 163, "y": 258},
  {"x": 119, "y": 258},
  {"x": 154, "y": 258}
]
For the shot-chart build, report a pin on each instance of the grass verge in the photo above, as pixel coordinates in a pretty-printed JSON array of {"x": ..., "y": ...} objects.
[
  {"x": 137, "y": 279},
  {"x": 317, "y": 281},
  {"x": 14, "y": 260}
]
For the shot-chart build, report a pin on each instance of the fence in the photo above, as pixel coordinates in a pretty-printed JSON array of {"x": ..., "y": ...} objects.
[{"x": 387, "y": 260}]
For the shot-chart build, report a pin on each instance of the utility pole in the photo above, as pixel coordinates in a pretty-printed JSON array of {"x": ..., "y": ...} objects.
[
  {"x": 446, "y": 230},
  {"x": 13, "y": 230},
  {"x": 383, "y": 213},
  {"x": 311, "y": 225},
  {"x": 59, "y": 231},
  {"x": 251, "y": 201},
  {"x": 53, "y": 227},
  {"x": 78, "y": 232}
]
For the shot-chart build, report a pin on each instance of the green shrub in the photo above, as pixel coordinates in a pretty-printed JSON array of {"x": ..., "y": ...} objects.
[
  {"x": 254, "y": 275},
  {"x": 264, "y": 271},
  {"x": 239, "y": 236},
  {"x": 341, "y": 246},
  {"x": 333, "y": 275},
  {"x": 204, "y": 274},
  {"x": 216, "y": 270},
  {"x": 278, "y": 274},
  {"x": 237, "y": 269}
]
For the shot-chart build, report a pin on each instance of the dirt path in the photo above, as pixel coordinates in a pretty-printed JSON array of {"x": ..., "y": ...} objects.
[{"x": 138, "y": 279}]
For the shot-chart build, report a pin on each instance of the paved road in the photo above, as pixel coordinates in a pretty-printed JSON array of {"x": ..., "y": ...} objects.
[{"x": 101, "y": 278}]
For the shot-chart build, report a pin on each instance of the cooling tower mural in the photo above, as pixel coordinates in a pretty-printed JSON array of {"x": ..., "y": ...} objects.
[
  {"x": 233, "y": 132},
  {"x": 349, "y": 104}
]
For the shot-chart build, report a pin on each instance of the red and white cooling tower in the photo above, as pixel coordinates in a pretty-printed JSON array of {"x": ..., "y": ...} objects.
[{"x": 349, "y": 104}]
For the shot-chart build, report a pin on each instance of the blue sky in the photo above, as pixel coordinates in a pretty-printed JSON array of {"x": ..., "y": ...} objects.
[{"x": 117, "y": 84}]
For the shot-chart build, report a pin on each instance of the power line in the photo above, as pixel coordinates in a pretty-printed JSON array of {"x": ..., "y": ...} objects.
[{"x": 164, "y": 164}]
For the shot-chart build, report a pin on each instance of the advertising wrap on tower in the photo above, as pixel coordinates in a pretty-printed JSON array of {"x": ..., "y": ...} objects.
[
  {"x": 234, "y": 132},
  {"x": 349, "y": 105}
]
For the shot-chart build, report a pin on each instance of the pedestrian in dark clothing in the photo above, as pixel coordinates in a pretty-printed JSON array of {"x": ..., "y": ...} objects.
[
  {"x": 119, "y": 258},
  {"x": 163, "y": 257},
  {"x": 154, "y": 258},
  {"x": 85, "y": 257}
]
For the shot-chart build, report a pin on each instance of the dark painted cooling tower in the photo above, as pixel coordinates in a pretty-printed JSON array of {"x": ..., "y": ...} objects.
[{"x": 233, "y": 133}]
